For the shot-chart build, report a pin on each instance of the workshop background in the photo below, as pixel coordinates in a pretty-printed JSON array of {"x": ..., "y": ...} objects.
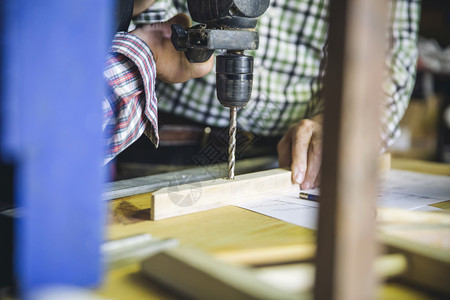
[
  {"x": 425, "y": 127},
  {"x": 426, "y": 124}
]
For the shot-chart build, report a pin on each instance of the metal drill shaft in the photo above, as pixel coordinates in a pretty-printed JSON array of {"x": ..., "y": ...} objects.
[{"x": 232, "y": 143}]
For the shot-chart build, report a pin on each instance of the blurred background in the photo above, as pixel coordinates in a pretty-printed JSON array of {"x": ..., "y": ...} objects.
[{"x": 426, "y": 124}]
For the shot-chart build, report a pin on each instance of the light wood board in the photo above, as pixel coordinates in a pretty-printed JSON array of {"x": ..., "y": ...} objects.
[
  {"x": 194, "y": 197},
  {"x": 199, "y": 276}
]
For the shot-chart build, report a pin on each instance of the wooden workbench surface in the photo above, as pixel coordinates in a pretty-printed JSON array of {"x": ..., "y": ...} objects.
[{"x": 220, "y": 230}]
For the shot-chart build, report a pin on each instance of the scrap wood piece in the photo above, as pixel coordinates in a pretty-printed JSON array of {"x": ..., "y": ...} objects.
[
  {"x": 194, "y": 197},
  {"x": 200, "y": 276},
  {"x": 299, "y": 277},
  {"x": 428, "y": 266},
  {"x": 268, "y": 255},
  {"x": 389, "y": 215}
]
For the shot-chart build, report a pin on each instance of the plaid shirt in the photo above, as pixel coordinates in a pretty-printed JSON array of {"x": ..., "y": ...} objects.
[
  {"x": 130, "y": 107},
  {"x": 289, "y": 68}
]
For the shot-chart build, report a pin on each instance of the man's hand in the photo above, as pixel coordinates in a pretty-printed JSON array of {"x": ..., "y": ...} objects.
[
  {"x": 171, "y": 65},
  {"x": 301, "y": 149}
]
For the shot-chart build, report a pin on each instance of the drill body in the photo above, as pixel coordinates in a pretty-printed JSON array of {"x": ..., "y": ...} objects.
[{"x": 224, "y": 25}]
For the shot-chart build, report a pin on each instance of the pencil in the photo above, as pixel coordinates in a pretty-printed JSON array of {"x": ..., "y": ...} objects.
[{"x": 307, "y": 196}]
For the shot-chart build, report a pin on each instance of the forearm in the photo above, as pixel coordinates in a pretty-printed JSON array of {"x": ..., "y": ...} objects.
[{"x": 131, "y": 106}]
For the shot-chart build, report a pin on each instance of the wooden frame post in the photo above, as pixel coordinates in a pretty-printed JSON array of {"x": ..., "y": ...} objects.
[{"x": 346, "y": 246}]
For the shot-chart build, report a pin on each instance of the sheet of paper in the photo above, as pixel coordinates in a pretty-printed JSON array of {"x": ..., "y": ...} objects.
[
  {"x": 413, "y": 183},
  {"x": 399, "y": 189},
  {"x": 412, "y": 190},
  {"x": 288, "y": 208},
  {"x": 404, "y": 200}
]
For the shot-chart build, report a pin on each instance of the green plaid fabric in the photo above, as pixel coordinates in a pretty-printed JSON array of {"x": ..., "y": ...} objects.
[{"x": 288, "y": 68}]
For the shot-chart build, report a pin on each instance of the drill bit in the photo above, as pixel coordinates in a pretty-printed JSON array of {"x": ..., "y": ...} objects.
[{"x": 232, "y": 142}]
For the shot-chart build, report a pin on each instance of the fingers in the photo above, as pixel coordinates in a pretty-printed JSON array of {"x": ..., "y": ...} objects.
[
  {"x": 312, "y": 177},
  {"x": 284, "y": 150},
  {"x": 300, "y": 146},
  {"x": 317, "y": 181},
  {"x": 163, "y": 29},
  {"x": 301, "y": 149},
  {"x": 193, "y": 70},
  {"x": 185, "y": 70},
  {"x": 171, "y": 66},
  {"x": 201, "y": 69},
  {"x": 181, "y": 19}
]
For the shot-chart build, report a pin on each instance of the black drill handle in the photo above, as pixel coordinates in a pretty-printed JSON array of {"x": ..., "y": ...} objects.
[{"x": 179, "y": 40}]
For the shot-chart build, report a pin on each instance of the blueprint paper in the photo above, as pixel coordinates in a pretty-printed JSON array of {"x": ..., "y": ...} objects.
[{"x": 398, "y": 189}]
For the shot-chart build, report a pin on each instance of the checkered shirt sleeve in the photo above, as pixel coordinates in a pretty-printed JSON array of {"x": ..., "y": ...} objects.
[
  {"x": 130, "y": 106},
  {"x": 289, "y": 67},
  {"x": 401, "y": 64}
]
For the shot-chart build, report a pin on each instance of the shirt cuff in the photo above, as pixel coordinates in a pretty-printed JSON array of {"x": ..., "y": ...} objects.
[{"x": 140, "y": 54}]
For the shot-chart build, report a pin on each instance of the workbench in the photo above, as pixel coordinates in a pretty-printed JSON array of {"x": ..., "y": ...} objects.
[{"x": 226, "y": 230}]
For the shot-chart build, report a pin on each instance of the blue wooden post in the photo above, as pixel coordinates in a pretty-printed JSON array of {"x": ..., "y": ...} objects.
[{"x": 51, "y": 116}]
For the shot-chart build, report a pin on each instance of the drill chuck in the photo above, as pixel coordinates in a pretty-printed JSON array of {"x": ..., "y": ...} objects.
[{"x": 234, "y": 79}]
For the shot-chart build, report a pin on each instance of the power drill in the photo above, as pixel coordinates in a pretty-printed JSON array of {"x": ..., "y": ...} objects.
[{"x": 224, "y": 25}]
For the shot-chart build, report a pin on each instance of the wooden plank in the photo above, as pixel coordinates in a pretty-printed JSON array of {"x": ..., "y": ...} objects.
[
  {"x": 299, "y": 277},
  {"x": 199, "y": 196},
  {"x": 268, "y": 255},
  {"x": 352, "y": 93},
  {"x": 401, "y": 216},
  {"x": 151, "y": 183},
  {"x": 199, "y": 276},
  {"x": 428, "y": 266},
  {"x": 415, "y": 165},
  {"x": 136, "y": 207},
  {"x": 194, "y": 197}
]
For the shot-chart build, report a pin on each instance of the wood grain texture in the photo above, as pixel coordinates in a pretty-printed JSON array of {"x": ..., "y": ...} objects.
[
  {"x": 352, "y": 93},
  {"x": 137, "y": 207},
  {"x": 269, "y": 255},
  {"x": 199, "y": 276},
  {"x": 403, "y": 216},
  {"x": 227, "y": 229},
  {"x": 194, "y": 197},
  {"x": 299, "y": 277},
  {"x": 428, "y": 264},
  {"x": 422, "y": 166}
]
